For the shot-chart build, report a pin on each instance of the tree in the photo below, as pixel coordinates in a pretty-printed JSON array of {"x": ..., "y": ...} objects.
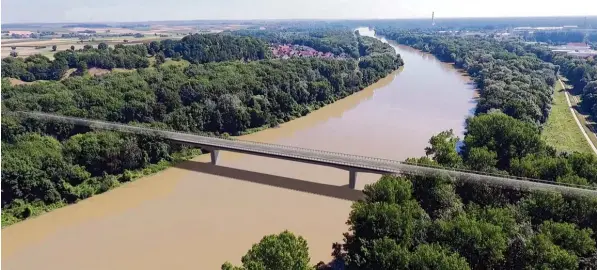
[
  {"x": 389, "y": 189},
  {"x": 428, "y": 257},
  {"x": 102, "y": 46},
  {"x": 72, "y": 47},
  {"x": 481, "y": 159},
  {"x": 386, "y": 254},
  {"x": 589, "y": 97},
  {"x": 282, "y": 251},
  {"x": 503, "y": 135},
  {"x": 14, "y": 54},
  {"x": 54, "y": 47},
  {"x": 159, "y": 59},
  {"x": 544, "y": 254},
  {"x": 443, "y": 149},
  {"x": 386, "y": 212},
  {"x": 480, "y": 242},
  {"x": 569, "y": 237}
]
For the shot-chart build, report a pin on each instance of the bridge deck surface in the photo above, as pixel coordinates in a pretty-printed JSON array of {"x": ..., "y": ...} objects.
[{"x": 326, "y": 158}]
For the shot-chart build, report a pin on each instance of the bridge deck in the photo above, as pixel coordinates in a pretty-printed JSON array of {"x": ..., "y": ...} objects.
[{"x": 348, "y": 162}]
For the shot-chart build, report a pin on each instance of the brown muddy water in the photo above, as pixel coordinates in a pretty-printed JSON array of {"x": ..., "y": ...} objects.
[{"x": 196, "y": 216}]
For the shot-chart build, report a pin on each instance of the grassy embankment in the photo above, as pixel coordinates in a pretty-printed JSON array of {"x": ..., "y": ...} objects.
[{"x": 561, "y": 130}]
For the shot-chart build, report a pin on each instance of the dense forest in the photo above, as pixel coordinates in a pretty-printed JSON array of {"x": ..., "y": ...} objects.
[
  {"x": 415, "y": 222},
  {"x": 200, "y": 49},
  {"x": 46, "y": 165},
  {"x": 515, "y": 95}
]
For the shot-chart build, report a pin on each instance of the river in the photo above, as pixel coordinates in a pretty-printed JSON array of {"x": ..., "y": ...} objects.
[{"x": 196, "y": 216}]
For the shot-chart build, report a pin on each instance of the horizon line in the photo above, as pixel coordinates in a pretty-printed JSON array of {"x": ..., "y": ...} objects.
[{"x": 300, "y": 19}]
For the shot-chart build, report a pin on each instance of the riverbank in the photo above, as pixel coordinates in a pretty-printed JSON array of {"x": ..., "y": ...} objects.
[
  {"x": 186, "y": 216},
  {"x": 25, "y": 211},
  {"x": 64, "y": 216}
]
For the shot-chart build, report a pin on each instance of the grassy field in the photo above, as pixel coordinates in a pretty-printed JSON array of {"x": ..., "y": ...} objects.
[
  {"x": 585, "y": 120},
  {"x": 27, "y": 47},
  {"x": 561, "y": 130},
  {"x": 180, "y": 63}
]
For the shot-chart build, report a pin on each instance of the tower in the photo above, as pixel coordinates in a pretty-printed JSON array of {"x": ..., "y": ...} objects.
[{"x": 432, "y": 18}]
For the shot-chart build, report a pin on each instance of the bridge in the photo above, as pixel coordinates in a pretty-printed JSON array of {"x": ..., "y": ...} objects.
[{"x": 353, "y": 164}]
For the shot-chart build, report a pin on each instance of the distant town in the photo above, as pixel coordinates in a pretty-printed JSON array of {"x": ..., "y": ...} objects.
[{"x": 286, "y": 51}]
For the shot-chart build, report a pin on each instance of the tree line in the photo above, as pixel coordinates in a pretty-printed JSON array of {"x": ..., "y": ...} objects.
[
  {"x": 193, "y": 48},
  {"x": 580, "y": 72},
  {"x": 515, "y": 96},
  {"x": 556, "y": 37},
  {"x": 47, "y": 164},
  {"x": 434, "y": 222},
  {"x": 204, "y": 48}
]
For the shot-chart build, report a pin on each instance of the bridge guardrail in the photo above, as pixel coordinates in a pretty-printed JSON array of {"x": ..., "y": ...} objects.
[{"x": 348, "y": 160}]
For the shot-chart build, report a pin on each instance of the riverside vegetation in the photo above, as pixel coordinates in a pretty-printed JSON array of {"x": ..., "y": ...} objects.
[
  {"x": 231, "y": 86},
  {"x": 403, "y": 222},
  {"x": 438, "y": 223}
]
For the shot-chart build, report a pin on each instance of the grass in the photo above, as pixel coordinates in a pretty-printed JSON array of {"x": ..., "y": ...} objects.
[
  {"x": 561, "y": 131},
  {"x": 180, "y": 63}
]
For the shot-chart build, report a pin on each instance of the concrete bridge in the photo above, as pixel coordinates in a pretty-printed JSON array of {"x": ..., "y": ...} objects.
[{"x": 353, "y": 164}]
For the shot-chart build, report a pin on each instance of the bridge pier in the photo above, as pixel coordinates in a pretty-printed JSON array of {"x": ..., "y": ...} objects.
[
  {"x": 352, "y": 179},
  {"x": 214, "y": 156}
]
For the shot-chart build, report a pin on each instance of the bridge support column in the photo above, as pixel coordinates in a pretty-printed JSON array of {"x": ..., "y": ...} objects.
[
  {"x": 352, "y": 179},
  {"x": 214, "y": 156}
]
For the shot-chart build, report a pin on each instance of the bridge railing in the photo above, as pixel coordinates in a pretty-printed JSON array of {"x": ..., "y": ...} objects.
[
  {"x": 351, "y": 160},
  {"x": 411, "y": 163}
]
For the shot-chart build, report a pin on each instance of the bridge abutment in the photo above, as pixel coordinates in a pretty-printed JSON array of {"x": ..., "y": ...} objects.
[
  {"x": 352, "y": 179},
  {"x": 214, "y": 156}
]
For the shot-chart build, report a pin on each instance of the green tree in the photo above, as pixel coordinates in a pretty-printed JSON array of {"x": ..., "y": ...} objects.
[
  {"x": 443, "y": 149},
  {"x": 159, "y": 59},
  {"x": 481, "y": 159},
  {"x": 569, "y": 237},
  {"x": 503, "y": 135},
  {"x": 54, "y": 47},
  {"x": 482, "y": 243},
  {"x": 273, "y": 252},
  {"x": 544, "y": 254},
  {"x": 386, "y": 254},
  {"x": 435, "y": 257},
  {"x": 389, "y": 189},
  {"x": 102, "y": 46}
]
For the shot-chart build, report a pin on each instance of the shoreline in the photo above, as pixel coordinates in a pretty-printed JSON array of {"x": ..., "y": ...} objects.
[{"x": 293, "y": 124}]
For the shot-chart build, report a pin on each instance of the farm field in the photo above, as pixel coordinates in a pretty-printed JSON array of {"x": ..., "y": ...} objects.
[{"x": 28, "y": 46}]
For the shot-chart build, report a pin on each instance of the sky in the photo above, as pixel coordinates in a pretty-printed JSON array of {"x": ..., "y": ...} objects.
[{"x": 24, "y": 11}]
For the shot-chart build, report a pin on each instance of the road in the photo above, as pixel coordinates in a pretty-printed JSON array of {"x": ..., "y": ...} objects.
[{"x": 352, "y": 163}]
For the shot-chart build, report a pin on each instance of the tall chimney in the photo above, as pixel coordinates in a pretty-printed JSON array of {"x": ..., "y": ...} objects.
[{"x": 433, "y": 18}]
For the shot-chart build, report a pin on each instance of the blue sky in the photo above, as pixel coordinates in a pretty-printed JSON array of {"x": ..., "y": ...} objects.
[{"x": 14, "y": 11}]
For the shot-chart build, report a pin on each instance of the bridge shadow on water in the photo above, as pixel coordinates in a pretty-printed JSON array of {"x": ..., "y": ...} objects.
[{"x": 338, "y": 192}]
